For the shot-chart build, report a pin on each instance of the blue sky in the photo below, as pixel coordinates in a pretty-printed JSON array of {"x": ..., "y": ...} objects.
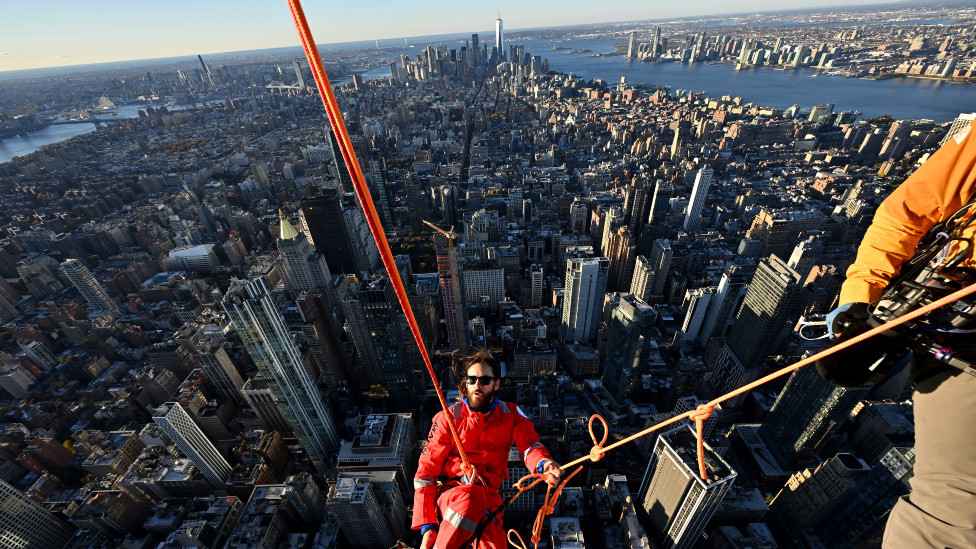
[{"x": 47, "y": 33}]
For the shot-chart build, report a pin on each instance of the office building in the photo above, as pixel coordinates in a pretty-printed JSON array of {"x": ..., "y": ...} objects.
[
  {"x": 770, "y": 308},
  {"x": 190, "y": 439},
  {"x": 585, "y": 286},
  {"x": 661, "y": 203},
  {"x": 810, "y": 494},
  {"x": 257, "y": 392},
  {"x": 41, "y": 275},
  {"x": 369, "y": 507},
  {"x": 660, "y": 264},
  {"x": 26, "y": 524},
  {"x": 272, "y": 347},
  {"x": 703, "y": 180},
  {"x": 678, "y": 502},
  {"x": 805, "y": 415},
  {"x": 537, "y": 281},
  {"x": 302, "y": 267},
  {"x": 452, "y": 293},
  {"x": 499, "y": 37},
  {"x": 628, "y": 343},
  {"x": 723, "y": 303},
  {"x": 860, "y": 515},
  {"x": 220, "y": 371},
  {"x": 612, "y": 221},
  {"x": 325, "y": 224},
  {"x": 200, "y": 258},
  {"x": 482, "y": 283},
  {"x": 376, "y": 325},
  {"x": 622, "y": 253},
  {"x": 383, "y": 442},
  {"x": 90, "y": 289}
]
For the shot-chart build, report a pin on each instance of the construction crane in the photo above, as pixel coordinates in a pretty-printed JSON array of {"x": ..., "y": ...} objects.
[{"x": 451, "y": 236}]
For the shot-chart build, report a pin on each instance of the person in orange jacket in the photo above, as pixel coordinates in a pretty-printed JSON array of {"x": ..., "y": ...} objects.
[
  {"x": 940, "y": 511},
  {"x": 446, "y": 508}
]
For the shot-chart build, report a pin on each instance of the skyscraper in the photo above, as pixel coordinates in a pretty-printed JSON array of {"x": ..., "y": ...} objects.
[
  {"x": 622, "y": 254},
  {"x": 585, "y": 286},
  {"x": 810, "y": 494},
  {"x": 805, "y": 415},
  {"x": 499, "y": 37},
  {"x": 90, "y": 289},
  {"x": 642, "y": 282},
  {"x": 769, "y": 309},
  {"x": 723, "y": 303},
  {"x": 375, "y": 323},
  {"x": 661, "y": 204},
  {"x": 536, "y": 278},
  {"x": 369, "y": 507},
  {"x": 189, "y": 438},
  {"x": 660, "y": 264},
  {"x": 220, "y": 371},
  {"x": 678, "y": 502},
  {"x": 324, "y": 221},
  {"x": 697, "y": 201},
  {"x": 302, "y": 267},
  {"x": 862, "y": 513},
  {"x": 631, "y": 325},
  {"x": 272, "y": 347},
  {"x": 26, "y": 524},
  {"x": 613, "y": 221},
  {"x": 631, "y": 45},
  {"x": 452, "y": 293},
  {"x": 638, "y": 204}
]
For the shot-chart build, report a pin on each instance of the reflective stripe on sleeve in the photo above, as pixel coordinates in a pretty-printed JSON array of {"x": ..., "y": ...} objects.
[
  {"x": 419, "y": 483},
  {"x": 525, "y": 454},
  {"x": 459, "y": 521}
]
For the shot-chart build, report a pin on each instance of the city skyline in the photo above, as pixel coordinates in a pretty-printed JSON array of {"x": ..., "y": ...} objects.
[
  {"x": 68, "y": 39},
  {"x": 625, "y": 249}
]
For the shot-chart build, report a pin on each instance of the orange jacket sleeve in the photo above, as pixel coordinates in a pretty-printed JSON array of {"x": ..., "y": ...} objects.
[
  {"x": 430, "y": 466},
  {"x": 941, "y": 186}
]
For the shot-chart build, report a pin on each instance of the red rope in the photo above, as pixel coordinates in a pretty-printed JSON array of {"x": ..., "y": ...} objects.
[
  {"x": 372, "y": 217},
  {"x": 698, "y": 415}
]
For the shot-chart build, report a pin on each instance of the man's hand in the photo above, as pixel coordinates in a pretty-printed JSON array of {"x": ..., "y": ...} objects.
[
  {"x": 428, "y": 540},
  {"x": 552, "y": 472}
]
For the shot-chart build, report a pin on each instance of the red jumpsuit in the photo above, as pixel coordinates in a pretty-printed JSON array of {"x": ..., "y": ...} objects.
[{"x": 487, "y": 439}]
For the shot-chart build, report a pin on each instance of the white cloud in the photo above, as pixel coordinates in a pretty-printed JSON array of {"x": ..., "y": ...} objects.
[{"x": 4, "y": 52}]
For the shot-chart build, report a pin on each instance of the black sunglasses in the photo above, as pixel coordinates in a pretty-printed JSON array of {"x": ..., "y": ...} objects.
[{"x": 484, "y": 380}]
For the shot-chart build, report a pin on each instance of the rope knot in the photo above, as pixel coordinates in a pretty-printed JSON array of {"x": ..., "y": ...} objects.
[
  {"x": 702, "y": 413},
  {"x": 597, "y": 452}
]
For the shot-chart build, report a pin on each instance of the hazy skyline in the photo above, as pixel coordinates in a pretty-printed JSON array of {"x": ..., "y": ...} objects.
[{"x": 52, "y": 33}]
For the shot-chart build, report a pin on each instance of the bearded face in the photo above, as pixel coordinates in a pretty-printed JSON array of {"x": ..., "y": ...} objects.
[{"x": 480, "y": 395}]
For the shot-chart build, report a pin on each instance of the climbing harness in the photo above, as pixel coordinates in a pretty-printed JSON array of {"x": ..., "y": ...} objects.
[{"x": 598, "y": 451}]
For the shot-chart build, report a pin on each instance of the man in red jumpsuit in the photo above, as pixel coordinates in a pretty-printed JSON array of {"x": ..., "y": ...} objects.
[{"x": 446, "y": 509}]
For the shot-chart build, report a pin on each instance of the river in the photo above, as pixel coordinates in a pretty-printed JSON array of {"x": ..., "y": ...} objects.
[
  {"x": 24, "y": 145},
  {"x": 899, "y": 97}
]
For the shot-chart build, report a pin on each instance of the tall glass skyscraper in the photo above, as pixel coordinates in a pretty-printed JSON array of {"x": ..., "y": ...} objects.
[
  {"x": 586, "y": 284},
  {"x": 272, "y": 347},
  {"x": 90, "y": 289}
]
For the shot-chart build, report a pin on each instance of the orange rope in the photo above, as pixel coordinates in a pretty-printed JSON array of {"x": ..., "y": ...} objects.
[
  {"x": 699, "y": 414},
  {"x": 372, "y": 217}
]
